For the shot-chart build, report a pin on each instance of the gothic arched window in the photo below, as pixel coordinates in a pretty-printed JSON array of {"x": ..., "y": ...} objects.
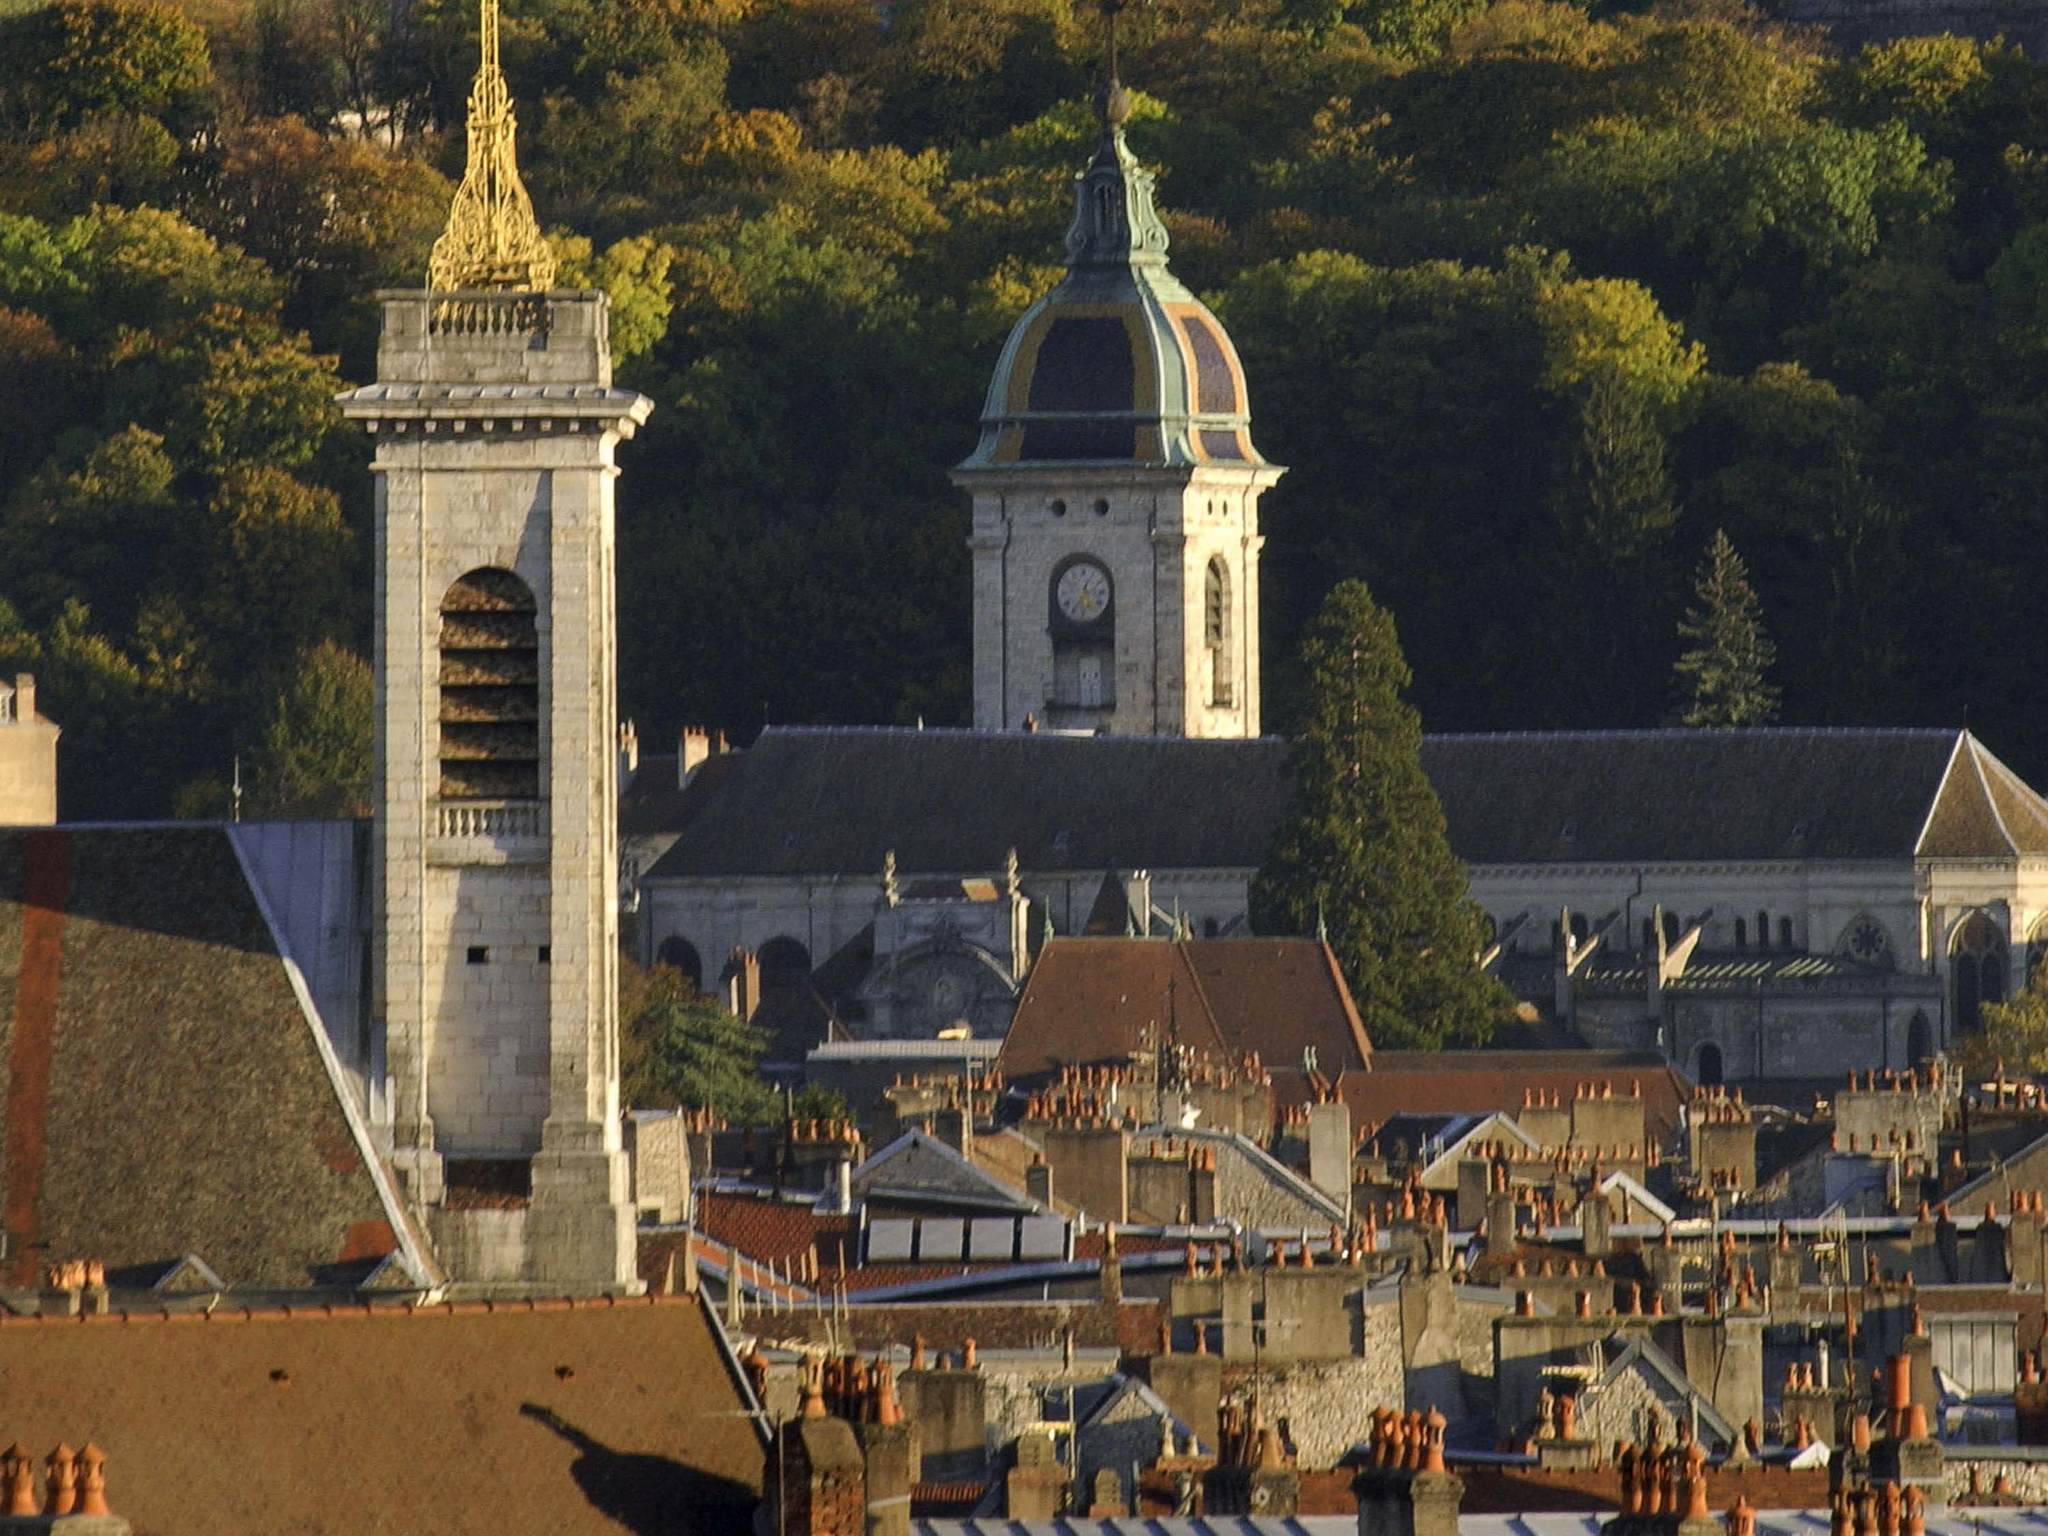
[
  {"x": 490, "y": 689},
  {"x": 1976, "y": 966},
  {"x": 1216, "y": 635},
  {"x": 2037, "y": 947}
]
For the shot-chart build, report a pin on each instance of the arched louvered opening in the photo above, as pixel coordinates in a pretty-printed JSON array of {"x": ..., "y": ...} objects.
[
  {"x": 490, "y": 689},
  {"x": 1216, "y": 636}
]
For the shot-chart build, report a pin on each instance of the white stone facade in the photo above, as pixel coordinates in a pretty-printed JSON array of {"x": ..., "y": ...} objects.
[
  {"x": 494, "y": 944},
  {"x": 823, "y": 912},
  {"x": 1919, "y": 906},
  {"x": 1156, "y": 532}
]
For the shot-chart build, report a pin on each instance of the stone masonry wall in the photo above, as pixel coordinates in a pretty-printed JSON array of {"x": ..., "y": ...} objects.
[
  {"x": 487, "y": 1074},
  {"x": 1327, "y": 1405}
]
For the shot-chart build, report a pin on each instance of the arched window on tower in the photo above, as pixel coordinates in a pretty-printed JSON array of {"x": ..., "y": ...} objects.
[
  {"x": 1216, "y": 635},
  {"x": 490, "y": 689}
]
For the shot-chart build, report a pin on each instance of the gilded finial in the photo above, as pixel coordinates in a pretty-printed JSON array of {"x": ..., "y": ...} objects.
[{"x": 493, "y": 239}]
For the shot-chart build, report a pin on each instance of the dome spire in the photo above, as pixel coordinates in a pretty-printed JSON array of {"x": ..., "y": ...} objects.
[
  {"x": 1115, "y": 223},
  {"x": 1112, "y": 101},
  {"x": 493, "y": 239}
]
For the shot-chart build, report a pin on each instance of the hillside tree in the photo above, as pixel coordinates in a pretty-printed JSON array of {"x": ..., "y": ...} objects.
[
  {"x": 1363, "y": 854},
  {"x": 1727, "y": 652}
]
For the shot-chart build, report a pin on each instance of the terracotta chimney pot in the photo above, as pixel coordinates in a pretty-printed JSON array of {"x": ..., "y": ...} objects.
[
  {"x": 60, "y": 1494},
  {"x": 17, "y": 1481},
  {"x": 92, "y": 1481}
]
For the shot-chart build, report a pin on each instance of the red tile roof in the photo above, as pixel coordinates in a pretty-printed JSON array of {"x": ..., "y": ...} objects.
[
  {"x": 1103, "y": 999},
  {"x": 1474, "y": 1082},
  {"x": 776, "y": 1231},
  {"x": 474, "y": 1419}
]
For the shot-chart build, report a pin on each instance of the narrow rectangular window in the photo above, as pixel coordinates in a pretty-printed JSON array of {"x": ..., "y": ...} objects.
[{"x": 479, "y": 954}]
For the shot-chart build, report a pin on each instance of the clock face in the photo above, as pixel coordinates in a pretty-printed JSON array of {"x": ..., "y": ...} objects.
[{"x": 1083, "y": 592}]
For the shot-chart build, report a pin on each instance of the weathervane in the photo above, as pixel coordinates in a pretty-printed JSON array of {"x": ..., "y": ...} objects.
[{"x": 493, "y": 239}]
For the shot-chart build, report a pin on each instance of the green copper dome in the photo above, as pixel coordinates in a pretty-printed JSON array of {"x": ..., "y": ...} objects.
[{"x": 1119, "y": 363}]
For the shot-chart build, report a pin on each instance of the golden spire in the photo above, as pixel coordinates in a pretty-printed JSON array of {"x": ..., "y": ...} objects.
[{"x": 492, "y": 239}]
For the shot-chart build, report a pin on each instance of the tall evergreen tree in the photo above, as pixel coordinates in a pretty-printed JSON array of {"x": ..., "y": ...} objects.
[
  {"x": 1362, "y": 855},
  {"x": 1727, "y": 652}
]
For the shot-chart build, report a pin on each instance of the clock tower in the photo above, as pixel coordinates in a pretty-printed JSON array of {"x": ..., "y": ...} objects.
[{"x": 1116, "y": 490}]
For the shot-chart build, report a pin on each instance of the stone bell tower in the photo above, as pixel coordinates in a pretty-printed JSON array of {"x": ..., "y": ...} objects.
[
  {"x": 1116, "y": 489},
  {"x": 494, "y": 422}
]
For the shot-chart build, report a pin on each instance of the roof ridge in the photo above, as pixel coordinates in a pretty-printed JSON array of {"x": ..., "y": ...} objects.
[
  {"x": 1990, "y": 800},
  {"x": 1940, "y": 785},
  {"x": 966, "y": 732},
  {"x": 1182, "y": 962},
  {"x": 1694, "y": 733},
  {"x": 329, "y": 1311},
  {"x": 2029, "y": 798}
]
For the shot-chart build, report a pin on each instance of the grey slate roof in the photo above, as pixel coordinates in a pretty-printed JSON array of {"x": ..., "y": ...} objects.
[
  {"x": 1679, "y": 795},
  {"x": 162, "y": 1092},
  {"x": 833, "y": 801}
]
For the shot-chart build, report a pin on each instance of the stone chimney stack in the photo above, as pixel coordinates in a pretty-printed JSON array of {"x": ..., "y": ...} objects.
[
  {"x": 743, "y": 983},
  {"x": 629, "y": 752},
  {"x": 696, "y": 746},
  {"x": 1329, "y": 1149}
]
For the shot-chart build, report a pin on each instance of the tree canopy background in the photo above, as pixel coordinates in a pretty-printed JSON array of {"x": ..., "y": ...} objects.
[{"x": 1534, "y": 297}]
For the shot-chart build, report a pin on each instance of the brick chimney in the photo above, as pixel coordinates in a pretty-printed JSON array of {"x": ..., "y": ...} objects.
[{"x": 823, "y": 1486}]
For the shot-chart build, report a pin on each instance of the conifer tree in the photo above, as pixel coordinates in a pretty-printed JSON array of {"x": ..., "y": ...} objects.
[
  {"x": 1363, "y": 856},
  {"x": 1721, "y": 673}
]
